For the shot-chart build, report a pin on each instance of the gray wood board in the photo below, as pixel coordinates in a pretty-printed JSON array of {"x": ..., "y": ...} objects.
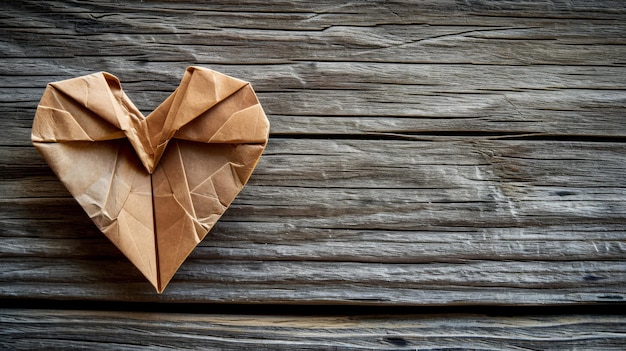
[
  {"x": 80, "y": 330},
  {"x": 359, "y": 221},
  {"x": 351, "y": 68},
  {"x": 439, "y": 153}
]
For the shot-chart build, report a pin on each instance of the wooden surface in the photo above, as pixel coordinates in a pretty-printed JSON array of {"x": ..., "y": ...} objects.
[
  {"x": 431, "y": 153},
  {"x": 122, "y": 330}
]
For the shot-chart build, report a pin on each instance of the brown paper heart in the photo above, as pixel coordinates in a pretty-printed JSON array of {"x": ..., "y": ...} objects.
[{"x": 153, "y": 185}]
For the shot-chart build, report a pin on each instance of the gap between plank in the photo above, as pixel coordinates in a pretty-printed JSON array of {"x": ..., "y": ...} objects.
[
  {"x": 454, "y": 135},
  {"x": 315, "y": 309}
]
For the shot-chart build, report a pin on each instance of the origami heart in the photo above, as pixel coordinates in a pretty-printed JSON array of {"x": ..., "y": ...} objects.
[{"x": 153, "y": 185}]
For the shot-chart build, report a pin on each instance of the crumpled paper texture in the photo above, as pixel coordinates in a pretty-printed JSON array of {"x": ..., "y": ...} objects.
[{"x": 154, "y": 185}]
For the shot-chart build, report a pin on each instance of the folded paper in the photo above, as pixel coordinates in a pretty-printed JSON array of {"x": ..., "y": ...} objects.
[{"x": 153, "y": 185}]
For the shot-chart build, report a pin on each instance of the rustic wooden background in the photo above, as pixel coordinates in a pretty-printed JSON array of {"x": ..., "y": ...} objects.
[{"x": 423, "y": 154}]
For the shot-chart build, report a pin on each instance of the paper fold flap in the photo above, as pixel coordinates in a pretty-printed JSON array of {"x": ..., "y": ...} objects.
[{"x": 153, "y": 185}]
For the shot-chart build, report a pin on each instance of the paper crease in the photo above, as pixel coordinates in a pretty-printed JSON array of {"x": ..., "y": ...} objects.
[{"x": 156, "y": 169}]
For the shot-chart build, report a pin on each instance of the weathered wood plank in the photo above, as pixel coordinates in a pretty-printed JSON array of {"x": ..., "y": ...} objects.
[
  {"x": 219, "y": 281},
  {"x": 360, "y": 221},
  {"x": 398, "y": 68},
  {"x": 78, "y": 330},
  {"x": 498, "y": 183}
]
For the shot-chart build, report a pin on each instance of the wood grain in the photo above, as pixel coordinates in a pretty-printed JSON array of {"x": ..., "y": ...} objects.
[
  {"x": 152, "y": 331},
  {"x": 440, "y": 153}
]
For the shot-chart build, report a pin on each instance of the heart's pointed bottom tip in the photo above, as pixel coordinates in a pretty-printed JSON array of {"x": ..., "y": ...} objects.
[{"x": 159, "y": 289}]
